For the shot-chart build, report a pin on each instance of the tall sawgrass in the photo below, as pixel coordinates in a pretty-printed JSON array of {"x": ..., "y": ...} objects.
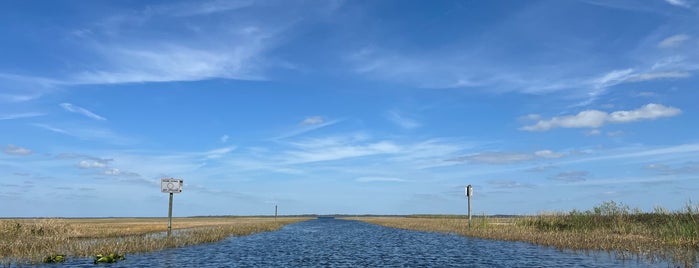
[
  {"x": 610, "y": 226},
  {"x": 677, "y": 228},
  {"x": 31, "y": 241}
]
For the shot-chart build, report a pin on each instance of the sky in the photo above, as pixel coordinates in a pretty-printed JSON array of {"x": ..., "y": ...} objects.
[{"x": 348, "y": 107}]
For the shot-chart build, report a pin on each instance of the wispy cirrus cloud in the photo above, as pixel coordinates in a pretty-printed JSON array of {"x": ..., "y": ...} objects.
[
  {"x": 508, "y": 157},
  {"x": 402, "y": 120},
  {"x": 312, "y": 120},
  {"x": 692, "y": 167},
  {"x": 596, "y": 118},
  {"x": 80, "y": 110},
  {"x": 195, "y": 41},
  {"x": 12, "y": 149},
  {"x": 379, "y": 179},
  {"x": 307, "y": 125},
  {"x": 570, "y": 176},
  {"x": 20, "y": 115},
  {"x": 679, "y": 3},
  {"x": 85, "y": 133},
  {"x": 509, "y": 184},
  {"x": 673, "y": 41}
]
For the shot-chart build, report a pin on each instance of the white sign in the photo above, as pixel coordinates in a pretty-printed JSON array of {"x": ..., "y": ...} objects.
[
  {"x": 469, "y": 190},
  {"x": 171, "y": 185}
]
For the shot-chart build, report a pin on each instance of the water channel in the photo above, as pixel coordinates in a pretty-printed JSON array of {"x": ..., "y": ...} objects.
[{"x": 345, "y": 243}]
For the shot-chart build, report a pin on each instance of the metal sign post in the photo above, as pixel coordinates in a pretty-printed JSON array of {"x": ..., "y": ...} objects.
[
  {"x": 469, "y": 193},
  {"x": 275, "y": 213},
  {"x": 170, "y": 186}
]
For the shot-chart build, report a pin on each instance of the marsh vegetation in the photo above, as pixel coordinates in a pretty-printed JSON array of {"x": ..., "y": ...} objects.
[
  {"x": 611, "y": 226},
  {"x": 37, "y": 240}
]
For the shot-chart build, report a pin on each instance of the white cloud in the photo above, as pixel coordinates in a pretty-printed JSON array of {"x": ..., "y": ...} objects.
[
  {"x": 673, "y": 41},
  {"x": 596, "y": 119},
  {"x": 402, "y": 121},
  {"x": 302, "y": 129},
  {"x": 76, "y": 109},
  {"x": 648, "y": 111},
  {"x": 656, "y": 75},
  {"x": 379, "y": 179},
  {"x": 618, "y": 133},
  {"x": 689, "y": 168},
  {"x": 679, "y": 3},
  {"x": 99, "y": 134},
  {"x": 584, "y": 119},
  {"x": 548, "y": 154},
  {"x": 92, "y": 164},
  {"x": 498, "y": 157},
  {"x": 313, "y": 120},
  {"x": 593, "y": 132},
  {"x": 16, "y": 150},
  {"x": 224, "y": 138},
  {"x": 20, "y": 88},
  {"x": 218, "y": 153},
  {"x": 17, "y": 116},
  {"x": 340, "y": 151},
  {"x": 571, "y": 176},
  {"x": 509, "y": 184},
  {"x": 508, "y": 157},
  {"x": 117, "y": 172},
  {"x": 54, "y": 129}
]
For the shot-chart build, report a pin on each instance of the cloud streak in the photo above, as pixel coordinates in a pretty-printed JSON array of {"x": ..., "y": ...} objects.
[
  {"x": 80, "y": 110},
  {"x": 498, "y": 158},
  {"x": 673, "y": 41},
  {"x": 12, "y": 149},
  {"x": 18, "y": 116},
  {"x": 596, "y": 118}
]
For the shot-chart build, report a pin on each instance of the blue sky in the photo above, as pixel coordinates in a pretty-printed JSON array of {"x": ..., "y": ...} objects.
[{"x": 361, "y": 107}]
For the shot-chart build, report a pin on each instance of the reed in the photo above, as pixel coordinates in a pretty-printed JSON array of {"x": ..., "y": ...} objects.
[
  {"x": 32, "y": 240},
  {"x": 611, "y": 226}
]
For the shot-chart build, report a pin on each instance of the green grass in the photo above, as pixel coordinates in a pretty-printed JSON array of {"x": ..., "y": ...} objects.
[{"x": 678, "y": 228}]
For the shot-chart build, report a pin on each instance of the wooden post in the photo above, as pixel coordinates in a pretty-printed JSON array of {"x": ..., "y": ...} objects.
[
  {"x": 169, "y": 216},
  {"x": 275, "y": 213},
  {"x": 469, "y": 193}
]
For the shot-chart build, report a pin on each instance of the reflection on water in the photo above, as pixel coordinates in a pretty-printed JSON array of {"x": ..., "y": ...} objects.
[{"x": 343, "y": 243}]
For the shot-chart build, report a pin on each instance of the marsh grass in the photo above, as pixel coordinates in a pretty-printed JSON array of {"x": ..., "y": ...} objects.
[
  {"x": 611, "y": 226},
  {"x": 32, "y": 240}
]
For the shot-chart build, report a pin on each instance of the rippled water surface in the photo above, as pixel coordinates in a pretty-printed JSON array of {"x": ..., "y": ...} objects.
[{"x": 344, "y": 243}]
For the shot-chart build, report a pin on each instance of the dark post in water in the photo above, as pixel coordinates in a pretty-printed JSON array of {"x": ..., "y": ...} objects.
[{"x": 469, "y": 193}]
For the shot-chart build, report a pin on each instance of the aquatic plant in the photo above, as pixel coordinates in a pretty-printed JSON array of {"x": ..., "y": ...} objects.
[
  {"x": 108, "y": 258},
  {"x": 54, "y": 258}
]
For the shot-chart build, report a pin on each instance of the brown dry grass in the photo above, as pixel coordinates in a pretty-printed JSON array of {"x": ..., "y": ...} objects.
[
  {"x": 30, "y": 240},
  {"x": 643, "y": 243}
]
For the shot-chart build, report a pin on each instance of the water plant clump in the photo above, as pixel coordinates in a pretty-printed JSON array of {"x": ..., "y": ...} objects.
[
  {"x": 108, "y": 258},
  {"x": 54, "y": 258}
]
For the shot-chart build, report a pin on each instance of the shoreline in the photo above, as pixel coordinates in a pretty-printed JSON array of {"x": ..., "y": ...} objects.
[
  {"x": 515, "y": 229},
  {"x": 33, "y": 240}
]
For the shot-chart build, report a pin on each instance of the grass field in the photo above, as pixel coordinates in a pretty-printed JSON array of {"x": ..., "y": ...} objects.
[
  {"x": 32, "y": 240},
  {"x": 611, "y": 226}
]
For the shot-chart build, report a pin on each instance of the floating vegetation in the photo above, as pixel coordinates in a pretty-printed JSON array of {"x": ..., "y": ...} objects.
[
  {"x": 54, "y": 258},
  {"x": 109, "y": 258}
]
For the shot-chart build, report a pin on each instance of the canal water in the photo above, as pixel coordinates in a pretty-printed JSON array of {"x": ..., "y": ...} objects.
[{"x": 345, "y": 243}]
